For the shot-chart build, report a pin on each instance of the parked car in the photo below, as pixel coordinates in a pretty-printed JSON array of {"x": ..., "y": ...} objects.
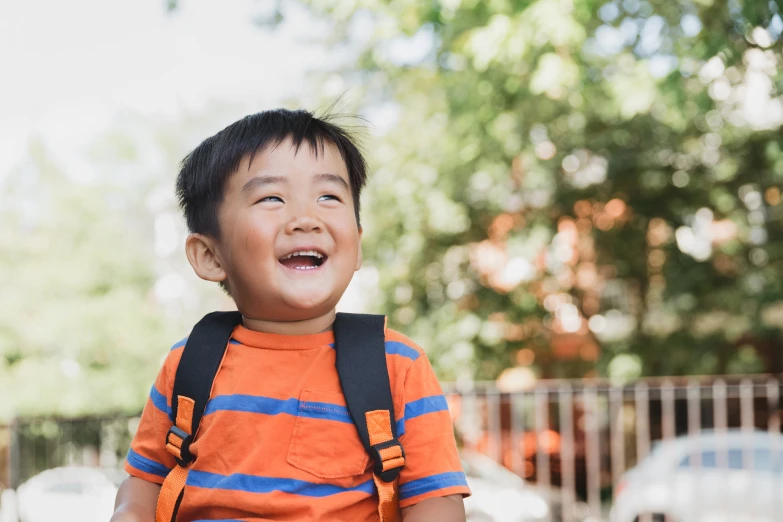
[
  {"x": 67, "y": 494},
  {"x": 500, "y": 495},
  {"x": 729, "y": 476}
]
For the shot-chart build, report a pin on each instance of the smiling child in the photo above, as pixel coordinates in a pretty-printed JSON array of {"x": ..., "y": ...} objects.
[{"x": 272, "y": 204}]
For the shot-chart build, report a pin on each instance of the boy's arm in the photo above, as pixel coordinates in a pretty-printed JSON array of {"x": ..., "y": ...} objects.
[
  {"x": 148, "y": 462},
  {"x": 431, "y": 483},
  {"x": 136, "y": 501},
  {"x": 446, "y": 509}
]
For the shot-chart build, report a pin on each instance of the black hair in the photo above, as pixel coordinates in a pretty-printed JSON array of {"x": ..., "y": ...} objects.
[{"x": 203, "y": 175}]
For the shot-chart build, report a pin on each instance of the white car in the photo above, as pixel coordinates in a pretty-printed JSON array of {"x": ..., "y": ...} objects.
[
  {"x": 67, "y": 494},
  {"x": 499, "y": 495},
  {"x": 733, "y": 476}
]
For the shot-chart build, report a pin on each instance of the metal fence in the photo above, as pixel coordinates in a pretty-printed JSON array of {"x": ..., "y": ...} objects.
[
  {"x": 579, "y": 436},
  {"x": 37, "y": 444}
]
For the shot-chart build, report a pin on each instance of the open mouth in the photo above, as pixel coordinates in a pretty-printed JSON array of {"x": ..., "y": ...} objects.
[{"x": 303, "y": 260}]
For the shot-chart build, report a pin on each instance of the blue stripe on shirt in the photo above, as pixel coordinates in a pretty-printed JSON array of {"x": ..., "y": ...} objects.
[
  {"x": 159, "y": 401},
  {"x": 146, "y": 465},
  {"x": 269, "y": 406},
  {"x": 259, "y": 484},
  {"x": 252, "y": 404},
  {"x": 432, "y": 483},
  {"x": 398, "y": 348},
  {"x": 324, "y": 410},
  {"x": 425, "y": 405}
]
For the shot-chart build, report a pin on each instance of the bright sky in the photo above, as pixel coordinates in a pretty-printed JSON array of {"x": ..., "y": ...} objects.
[{"x": 67, "y": 67}]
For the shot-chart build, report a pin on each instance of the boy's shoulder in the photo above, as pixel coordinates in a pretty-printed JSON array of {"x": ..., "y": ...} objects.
[{"x": 399, "y": 344}]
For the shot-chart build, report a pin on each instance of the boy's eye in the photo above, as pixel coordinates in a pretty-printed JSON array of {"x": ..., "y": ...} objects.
[
  {"x": 270, "y": 198},
  {"x": 328, "y": 197}
]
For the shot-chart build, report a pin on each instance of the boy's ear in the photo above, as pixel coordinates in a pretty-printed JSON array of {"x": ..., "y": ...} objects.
[
  {"x": 359, "y": 253},
  {"x": 202, "y": 256}
]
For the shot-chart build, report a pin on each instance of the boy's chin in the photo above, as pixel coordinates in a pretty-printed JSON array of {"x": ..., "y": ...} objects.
[
  {"x": 311, "y": 297},
  {"x": 310, "y": 308},
  {"x": 300, "y": 308},
  {"x": 291, "y": 306}
]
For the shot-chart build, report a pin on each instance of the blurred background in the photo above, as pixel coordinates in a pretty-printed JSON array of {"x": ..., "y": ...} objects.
[{"x": 574, "y": 205}]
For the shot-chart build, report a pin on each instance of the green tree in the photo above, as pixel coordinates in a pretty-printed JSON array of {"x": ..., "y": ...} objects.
[
  {"x": 97, "y": 284},
  {"x": 79, "y": 329},
  {"x": 596, "y": 182}
]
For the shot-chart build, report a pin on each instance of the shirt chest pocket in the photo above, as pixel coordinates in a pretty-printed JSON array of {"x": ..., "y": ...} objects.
[{"x": 325, "y": 442}]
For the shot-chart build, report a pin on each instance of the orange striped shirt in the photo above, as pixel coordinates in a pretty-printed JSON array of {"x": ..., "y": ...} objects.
[{"x": 277, "y": 443}]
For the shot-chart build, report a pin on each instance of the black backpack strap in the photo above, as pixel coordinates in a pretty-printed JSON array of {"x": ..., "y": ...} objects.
[
  {"x": 361, "y": 366},
  {"x": 197, "y": 368}
]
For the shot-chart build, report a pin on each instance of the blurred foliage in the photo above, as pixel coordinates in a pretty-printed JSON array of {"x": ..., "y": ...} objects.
[
  {"x": 92, "y": 301},
  {"x": 581, "y": 187},
  {"x": 587, "y": 187},
  {"x": 78, "y": 328}
]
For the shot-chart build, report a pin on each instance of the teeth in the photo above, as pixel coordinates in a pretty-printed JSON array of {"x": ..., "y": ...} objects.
[{"x": 304, "y": 253}]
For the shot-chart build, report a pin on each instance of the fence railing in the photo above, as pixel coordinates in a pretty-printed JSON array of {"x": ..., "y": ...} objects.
[
  {"x": 40, "y": 443},
  {"x": 580, "y": 436}
]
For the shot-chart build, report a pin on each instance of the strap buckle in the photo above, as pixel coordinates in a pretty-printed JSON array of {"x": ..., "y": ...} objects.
[
  {"x": 178, "y": 444},
  {"x": 389, "y": 458}
]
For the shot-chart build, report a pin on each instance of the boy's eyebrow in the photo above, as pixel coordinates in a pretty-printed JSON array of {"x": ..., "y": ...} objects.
[
  {"x": 333, "y": 178},
  {"x": 260, "y": 181}
]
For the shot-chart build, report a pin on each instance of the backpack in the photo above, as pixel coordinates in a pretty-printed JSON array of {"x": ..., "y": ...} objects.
[{"x": 364, "y": 378}]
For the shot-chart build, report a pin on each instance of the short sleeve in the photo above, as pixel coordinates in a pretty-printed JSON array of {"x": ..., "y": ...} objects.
[
  {"x": 147, "y": 458},
  {"x": 432, "y": 464}
]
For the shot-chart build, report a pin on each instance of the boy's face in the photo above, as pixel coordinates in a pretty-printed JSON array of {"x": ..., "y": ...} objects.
[{"x": 289, "y": 239}]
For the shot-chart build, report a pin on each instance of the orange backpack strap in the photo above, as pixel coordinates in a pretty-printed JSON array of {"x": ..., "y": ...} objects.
[
  {"x": 200, "y": 362},
  {"x": 361, "y": 366}
]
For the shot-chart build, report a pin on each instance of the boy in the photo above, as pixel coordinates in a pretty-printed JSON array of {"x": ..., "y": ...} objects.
[{"x": 272, "y": 203}]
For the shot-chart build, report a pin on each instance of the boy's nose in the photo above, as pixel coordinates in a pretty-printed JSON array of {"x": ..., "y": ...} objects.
[{"x": 304, "y": 222}]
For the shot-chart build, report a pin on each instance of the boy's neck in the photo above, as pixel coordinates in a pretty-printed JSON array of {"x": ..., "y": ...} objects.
[{"x": 306, "y": 327}]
